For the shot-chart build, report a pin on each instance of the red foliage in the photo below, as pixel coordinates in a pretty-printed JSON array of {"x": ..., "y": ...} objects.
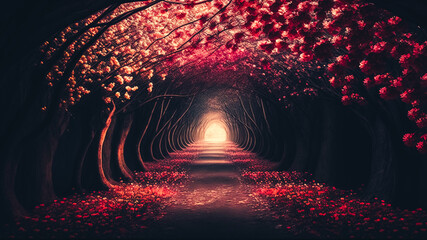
[
  {"x": 388, "y": 93},
  {"x": 346, "y": 100},
  {"x": 422, "y": 122},
  {"x": 409, "y": 139},
  {"x": 352, "y": 43},
  {"x": 368, "y": 82},
  {"x": 422, "y": 147},
  {"x": 415, "y": 113}
]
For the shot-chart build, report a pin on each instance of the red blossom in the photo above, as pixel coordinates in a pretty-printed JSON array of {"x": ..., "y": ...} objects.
[
  {"x": 368, "y": 82},
  {"x": 394, "y": 20},
  {"x": 382, "y": 78},
  {"x": 422, "y": 122},
  {"x": 346, "y": 90},
  {"x": 408, "y": 96},
  {"x": 409, "y": 139},
  {"x": 422, "y": 147},
  {"x": 424, "y": 80},
  {"x": 405, "y": 60},
  {"x": 397, "y": 83},
  {"x": 338, "y": 41},
  {"x": 305, "y": 57},
  {"x": 382, "y": 31},
  {"x": 380, "y": 47},
  {"x": 365, "y": 67},
  {"x": 350, "y": 79},
  {"x": 343, "y": 60},
  {"x": 335, "y": 82},
  {"x": 415, "y": 113},
  {"x": 388, "y": 93},
  {"x": 346, "y": 100}
]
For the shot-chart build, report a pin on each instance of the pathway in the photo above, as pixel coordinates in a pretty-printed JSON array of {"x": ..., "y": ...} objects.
[{"x": 215, "y": 204}]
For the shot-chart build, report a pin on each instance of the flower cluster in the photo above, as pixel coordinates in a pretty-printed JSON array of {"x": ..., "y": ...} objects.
[
  {"x": 165, "y": 177},
  {"x": 317, "y": 210},
  {"x": 273, "y": 177},
  {"x": 178, "y": 165},
  {"x": 357, "y": 45},
  {"x": 309, "y": 209},
  {"x": 121, "y": 210},
  {"x": 290, "y": 49}
]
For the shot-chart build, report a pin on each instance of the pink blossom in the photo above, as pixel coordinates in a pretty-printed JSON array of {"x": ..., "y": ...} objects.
[
  {"x": 346, "y": 90},
  {"x": 304, "y": 57},
  {"x": 346, "y": 100},
  {"x": 394, "y": 20},
  {"x": 365, "y": 67},
  {"x": 368, "y": 82},
  {"x": 422, "y": 122},
  {"x": 381, "y": 79},
  {"x": 335, "y": 82},
  {"x": 424, "y": 80},
  {"x": 409, "y": 139},
  {"x": 404, "y": 60},
  {"x": 388, "y": 93},
  {"x": 422, "y": 147},
  {"x": 379, "y": 47},
  {"x": 408, "y": 96},
  {"x": 350, "y": 79},
  {"x": 415, "y": 113},
  {"x": 343, "y": 60},
  {"x": 397, "y": 83}
]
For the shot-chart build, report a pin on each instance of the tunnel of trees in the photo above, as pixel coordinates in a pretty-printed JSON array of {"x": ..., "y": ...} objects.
[{"x": 93, "y": 90}]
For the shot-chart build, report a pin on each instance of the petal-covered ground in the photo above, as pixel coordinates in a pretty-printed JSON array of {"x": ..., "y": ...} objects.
[
  {"x": 310, "y": 209},
  {"x": 126, "y": 210},
  {"x": 212, "y": 191}
]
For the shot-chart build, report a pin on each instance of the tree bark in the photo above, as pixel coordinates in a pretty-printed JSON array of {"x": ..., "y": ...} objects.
[
  {"x": 104, "y": 178},
  {"x": 127, "y": 121}
]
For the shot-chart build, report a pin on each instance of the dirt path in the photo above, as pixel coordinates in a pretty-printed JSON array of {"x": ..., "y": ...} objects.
[{"x": 215, "y": 204}]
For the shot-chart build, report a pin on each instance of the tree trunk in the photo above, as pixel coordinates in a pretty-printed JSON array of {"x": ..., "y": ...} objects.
[
  {"x": 330, "y": 147},
  {"x": 88, "y": 134},
  {"x": 107, "y": 151},
  {"x": 127, "y": 121},
  {"x": 35, "y": 170},
  {"x": 102, "y": 173},
  {"x": 382, "y": 180}
]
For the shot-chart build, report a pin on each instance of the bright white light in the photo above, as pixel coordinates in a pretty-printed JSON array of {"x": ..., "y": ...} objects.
[{"x": 215, "y": 133}]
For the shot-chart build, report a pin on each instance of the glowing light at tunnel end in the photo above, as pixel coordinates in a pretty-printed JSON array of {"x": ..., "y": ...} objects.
[{"x": 215, "y": 132}]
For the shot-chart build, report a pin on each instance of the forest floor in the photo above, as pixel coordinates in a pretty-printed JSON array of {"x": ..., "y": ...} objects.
[{"x": 217, "y": 190}]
